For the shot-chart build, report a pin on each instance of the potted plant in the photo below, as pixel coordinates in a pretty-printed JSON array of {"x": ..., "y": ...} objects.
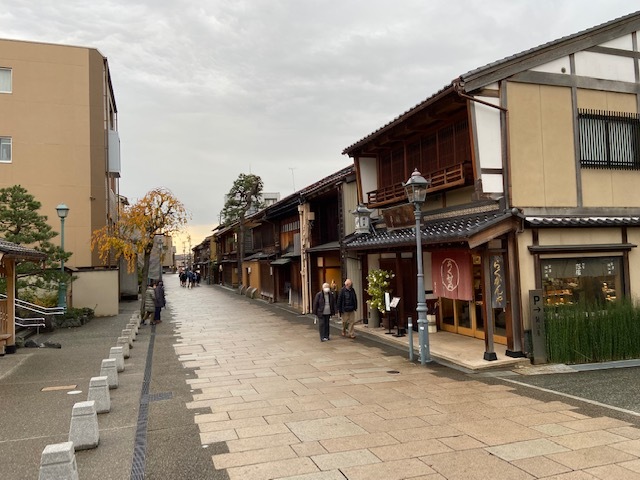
[{"x": 378, "y": 282}]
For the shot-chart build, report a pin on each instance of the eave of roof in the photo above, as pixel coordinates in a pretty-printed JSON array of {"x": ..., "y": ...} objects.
[
  {"x": 582, "y": 221},
  {"x": 568, "y": 44},
  {"x": 18, "y": 252},
  {"x": 443, "y": 231}
]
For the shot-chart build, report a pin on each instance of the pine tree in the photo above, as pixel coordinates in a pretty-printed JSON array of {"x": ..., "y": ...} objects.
[{"x": 20, "y": 223}]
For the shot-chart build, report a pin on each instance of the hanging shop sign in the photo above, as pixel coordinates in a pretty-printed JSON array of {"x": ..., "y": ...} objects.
[{"x": 451, "y": 274}]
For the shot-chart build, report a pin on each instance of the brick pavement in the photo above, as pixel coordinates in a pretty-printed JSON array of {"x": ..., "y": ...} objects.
[{"x": 273, "y": 402}]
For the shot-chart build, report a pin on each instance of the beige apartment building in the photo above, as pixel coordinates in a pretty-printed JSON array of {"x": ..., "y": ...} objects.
[{"x": 59, "y": 140}]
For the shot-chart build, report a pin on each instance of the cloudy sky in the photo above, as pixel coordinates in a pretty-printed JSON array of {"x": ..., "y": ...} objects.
[{"x": 209, "y": 89}]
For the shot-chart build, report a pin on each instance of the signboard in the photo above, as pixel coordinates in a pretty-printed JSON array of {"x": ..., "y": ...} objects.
[
  {"x": 394, "y": 302},
  {"x": 538, "y": 336},
  {"x": 498, "y": 297}
]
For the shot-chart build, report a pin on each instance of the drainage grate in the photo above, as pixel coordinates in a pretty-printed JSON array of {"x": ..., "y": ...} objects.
[
  {"x": 140, "y": 446},
  {"x": 156, "y": 397}
]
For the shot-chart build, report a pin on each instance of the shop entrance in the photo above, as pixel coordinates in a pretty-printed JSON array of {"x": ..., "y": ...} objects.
[{"x": 467, "y": 317}]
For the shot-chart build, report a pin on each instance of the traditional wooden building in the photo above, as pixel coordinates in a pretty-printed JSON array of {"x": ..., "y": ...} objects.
[{"x": 533, "y": 162}]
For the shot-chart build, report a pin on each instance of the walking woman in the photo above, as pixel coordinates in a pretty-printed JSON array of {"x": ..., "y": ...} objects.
[{"x": 324, "y": 306}]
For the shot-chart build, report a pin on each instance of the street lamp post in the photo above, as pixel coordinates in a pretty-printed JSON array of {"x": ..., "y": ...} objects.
[
  {"x": 63, "y": 211},
  {"x": 416, "y": 190}
]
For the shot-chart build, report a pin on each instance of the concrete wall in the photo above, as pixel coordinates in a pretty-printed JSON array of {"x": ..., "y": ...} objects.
[{"x": 97, "y": 289}]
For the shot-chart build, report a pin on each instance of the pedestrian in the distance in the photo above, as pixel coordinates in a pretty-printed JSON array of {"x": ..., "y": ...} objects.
[
  {"x": 158, "y": 303},
  {"x": 149, "y": 303},
  {"x": 324, "y": 306},
  {"x": 347, "y": 307}
]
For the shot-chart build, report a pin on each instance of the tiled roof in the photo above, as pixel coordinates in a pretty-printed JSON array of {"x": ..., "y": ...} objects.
[
  {"x": 19, "y": 252},
  {"x": 585, "y": 221},
  {"x": 449, "y": 230}
]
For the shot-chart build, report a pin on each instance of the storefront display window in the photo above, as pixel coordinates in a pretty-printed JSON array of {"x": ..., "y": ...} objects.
[{"x": 566, "y": 281}]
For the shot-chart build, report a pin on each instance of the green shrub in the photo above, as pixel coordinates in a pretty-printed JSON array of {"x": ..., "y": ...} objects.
[{"x": 584, "y": 334}]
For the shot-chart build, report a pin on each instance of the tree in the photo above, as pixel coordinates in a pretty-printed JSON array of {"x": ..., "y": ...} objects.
[
  {"x": 21, "y": 223},
  {"x": 159, "y": 212},
  {"x": 245, "y": 196}
]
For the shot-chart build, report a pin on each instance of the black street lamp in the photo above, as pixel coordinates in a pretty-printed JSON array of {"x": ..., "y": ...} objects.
[
  {"x": 416, "y": 190},
  {"x": 63, "y": 211}
]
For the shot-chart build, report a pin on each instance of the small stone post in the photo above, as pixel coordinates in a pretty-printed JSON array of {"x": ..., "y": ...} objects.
[
  {"x": 84, "y": 432},
  {"x": 99, "y": 393},
  {"x": 129, "y": 334},
  {"x": 124, "y": 343},
  {"x": 108, "y": 369},
  {"x": 118, "y": 354},
  {"x": 58, "y": 462}
]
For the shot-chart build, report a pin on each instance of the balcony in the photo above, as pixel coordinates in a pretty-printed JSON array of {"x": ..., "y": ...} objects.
[{"x": 445, "y": 178}]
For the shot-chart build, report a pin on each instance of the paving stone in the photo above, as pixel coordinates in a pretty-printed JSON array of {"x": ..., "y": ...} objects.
[
  {"x": 574, "y": 441},
  {"x": 591, "y": 457},
  {"x": 613, "y": 472},
  {"x": 526, "y": 449},
  {"x": 262, "y": 455},
  {"x": 270, "y": 470},
  {"x": 540, "y": 466},
  {"x": 318, "y": 429},
  {"x": 397, "y": 470},
  {"x": 355, "y": 442},
  {"x": 473, "y": 465}
]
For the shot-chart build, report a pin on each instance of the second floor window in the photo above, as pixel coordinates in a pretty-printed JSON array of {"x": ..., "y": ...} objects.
[
  {"x": 5, "y": 149},
  {"x": 5, "y": 80},
  {"x": 609, "y": 140}
]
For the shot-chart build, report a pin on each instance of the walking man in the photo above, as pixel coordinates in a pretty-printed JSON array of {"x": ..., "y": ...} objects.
[{"x": 347, "y": 306}]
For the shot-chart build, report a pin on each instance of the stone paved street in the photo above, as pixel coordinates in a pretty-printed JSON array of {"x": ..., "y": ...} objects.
[{"x": 273, "y": 402}]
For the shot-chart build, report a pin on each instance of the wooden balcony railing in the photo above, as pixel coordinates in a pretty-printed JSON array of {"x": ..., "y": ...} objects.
[{"x": 440, "y": 180}]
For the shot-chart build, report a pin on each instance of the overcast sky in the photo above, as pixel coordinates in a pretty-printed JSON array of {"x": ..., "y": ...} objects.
[{"x": 209, "y": 89}]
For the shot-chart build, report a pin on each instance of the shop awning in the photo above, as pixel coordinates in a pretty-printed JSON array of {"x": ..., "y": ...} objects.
[
  {"x": 257, "y": 256},
  {"x": 325, "y": 247},
  {"x": 281, "y": 261}
]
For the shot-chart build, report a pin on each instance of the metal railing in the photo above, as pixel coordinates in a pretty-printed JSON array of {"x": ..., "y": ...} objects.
[{"x": 32, "y": 322}]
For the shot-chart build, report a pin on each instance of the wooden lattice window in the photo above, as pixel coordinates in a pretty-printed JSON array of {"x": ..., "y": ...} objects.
[{"x": 609, "y": 139}]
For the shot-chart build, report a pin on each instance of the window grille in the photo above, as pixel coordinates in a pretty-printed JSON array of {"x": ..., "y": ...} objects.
[{"x": 609, "y": 139}]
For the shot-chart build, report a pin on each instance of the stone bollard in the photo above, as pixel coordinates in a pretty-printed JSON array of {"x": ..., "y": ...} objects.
[
  {"x": 99, "y": 393},
  {"x": 118, "y": 354},
  {"x": 127, "y": 333},
  {"x": 135, "y": 318},
  {"x": 108, "y": 369},
  {"x": 58, "y": 461},
  {"x": 124, "y": 343},
  {"x": 84, "y": 432},
  {"x": 134, "y": 327}
]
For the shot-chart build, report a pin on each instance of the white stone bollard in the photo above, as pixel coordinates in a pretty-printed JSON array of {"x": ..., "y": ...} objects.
[
  {"x": 118, "y": 354},
  {"x": 135, "y": 318},
  {"x": 58, "y": 462},
  {"x": 99, "y": 393},
  {"x": 127, "y": 333},
  {"x": 124, "y": 343},
  {"x": 108, "y": 369},
  {"x": 84, "y": 432},
  {"x": 134, "y": 327}
]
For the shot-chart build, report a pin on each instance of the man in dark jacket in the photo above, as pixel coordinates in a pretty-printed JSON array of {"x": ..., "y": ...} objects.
[{"x": 347, "y": 306}]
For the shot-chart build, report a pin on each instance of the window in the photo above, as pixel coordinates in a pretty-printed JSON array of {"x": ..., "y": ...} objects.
[
  {"x": 586, "y": 279},
  {"x": 5, "y": 80},
  {"x": 609, "y": 139},
  {"x": 5, "y": 149}
]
